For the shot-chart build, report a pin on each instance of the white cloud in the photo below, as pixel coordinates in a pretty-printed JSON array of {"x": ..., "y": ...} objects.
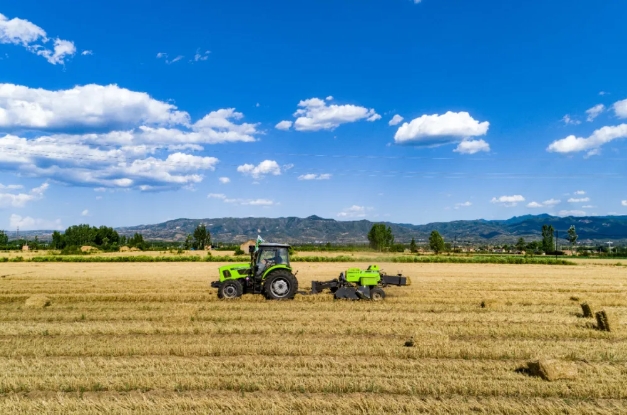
[
  {"x": 312, "y": 176},
  {"x": 417, "y": 1},
  {"x": 87, "y": 52},
  {"x": 224, "y": 180},
  {"x": 580, "y": 200},
  {"x": 24, "y": 33},
  {"x": 568, "y": 121},
  {"x": 329, "y": 98},
  {"x": 588, "y": 207},
  {"x": 397, "y": 119},
  {"x": 198, "y": 57},
  {"x": 21, "y": 199},
  {"x": 571, "y": 213},
  {"x": 546, "y": 203},
  {"x": 508, "y": 201},
  {"x": 94, "y": 106},
  {"x": 85, "y": 212},
  {"x": 462, "y": 205},
  {"x": 620, "y": 108},
  {"x": 243, "y": 202},
  {"x": 162, "y": 55},
  {"x": 624, "y": 202},
  {"x": 28, "y": 224},
  {"x": 283, "y": 125},
  {"x": 572, "y": 144},
  {"x": 353, "y": 212},
  {"x": 435, "y": 129},
  {"x": 314, "y": 114},
  {"x": 595, "y": 112},
  {"x": 580, "y": 192},
  {"x": 264, "y": 168},
  {"x": 11, "y": 186},
  {"x": 472, "y": 147},
  {"x": 603, "y": 93}
]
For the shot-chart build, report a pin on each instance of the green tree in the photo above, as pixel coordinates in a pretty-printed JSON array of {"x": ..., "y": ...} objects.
[
  {"x": 520, "y": 245},
  {"x": 58, "y": 241},
  {"x": 412, "y": 245},
  {"x": 548, "y": 244},
  {"x": 202, "y": 237},
  {"x": 380, "y": 237},
  {"x": 572, "y": 236},
  {"x": 436, "y": 242},
  {"x": 189, "y": 241},
  {"x": 4, "y": 238},
  {"x": 137, "y": 241}
]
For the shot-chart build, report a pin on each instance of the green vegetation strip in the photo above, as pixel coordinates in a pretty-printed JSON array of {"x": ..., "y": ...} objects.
[{"x": 340, "y": 258}]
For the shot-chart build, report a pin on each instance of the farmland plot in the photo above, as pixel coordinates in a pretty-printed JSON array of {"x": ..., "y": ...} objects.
[{"x": 153, "y": 339}]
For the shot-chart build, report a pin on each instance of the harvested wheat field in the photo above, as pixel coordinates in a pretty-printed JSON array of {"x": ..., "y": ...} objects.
[{"x": 147, "y": 338}]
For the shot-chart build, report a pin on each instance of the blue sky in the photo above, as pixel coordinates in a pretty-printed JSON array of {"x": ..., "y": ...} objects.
[{"x": 123, "y": 113}]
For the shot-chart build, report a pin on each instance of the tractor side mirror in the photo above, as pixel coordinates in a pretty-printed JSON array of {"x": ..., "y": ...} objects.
[{"x": 251, "y": 249}]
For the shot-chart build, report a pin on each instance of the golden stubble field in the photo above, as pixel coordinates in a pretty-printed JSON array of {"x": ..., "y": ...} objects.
[{"x": 152, "y": 338}]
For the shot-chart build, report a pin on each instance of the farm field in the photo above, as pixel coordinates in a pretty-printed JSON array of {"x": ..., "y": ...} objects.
[{"x": 152, "y": 338}]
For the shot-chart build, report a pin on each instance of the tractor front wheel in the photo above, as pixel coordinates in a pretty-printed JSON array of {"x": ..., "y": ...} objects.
[
  {"x": 230, "y": 289},
  {"x": 377, "y": 294},
  {"x": 280, "y": 285}
]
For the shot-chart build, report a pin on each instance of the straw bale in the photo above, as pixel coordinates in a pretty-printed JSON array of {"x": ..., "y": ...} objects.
[
  {"x": 37, "y": 301},
  {"x": 552, "y": 370}
]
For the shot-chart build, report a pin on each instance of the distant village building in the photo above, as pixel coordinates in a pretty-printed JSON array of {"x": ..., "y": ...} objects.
[{"x": 245, "y": 245}]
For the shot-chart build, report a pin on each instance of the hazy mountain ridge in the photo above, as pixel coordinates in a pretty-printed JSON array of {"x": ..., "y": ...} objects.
[{"x": 316, "y": 229}]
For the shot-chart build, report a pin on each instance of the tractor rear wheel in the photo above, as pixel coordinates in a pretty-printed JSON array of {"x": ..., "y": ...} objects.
[
  {"x": 280, "y": 285},
  {"x": 230, "y": 289},
  {"x": 377, "y": 294}
]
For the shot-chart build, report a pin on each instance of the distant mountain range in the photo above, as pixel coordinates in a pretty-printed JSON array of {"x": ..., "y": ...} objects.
[{"x": 315, "y": 229}]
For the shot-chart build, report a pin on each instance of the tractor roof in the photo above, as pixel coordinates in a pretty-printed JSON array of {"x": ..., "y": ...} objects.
[{"x": 267, "y": 245}]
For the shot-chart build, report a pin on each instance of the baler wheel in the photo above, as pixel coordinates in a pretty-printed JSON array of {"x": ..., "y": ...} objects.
[{"x": 377, "y": 294}]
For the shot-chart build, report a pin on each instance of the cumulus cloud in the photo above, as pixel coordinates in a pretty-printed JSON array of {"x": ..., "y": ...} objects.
[
  {"x": 564, "y": 213},
  {"x": 508, "y": 201},
  {"x": 87, "y": 52},
  {"x": 579, "y": 200},
  {"x": 472, "y": 147},
  {"x": 624, "y": 202},
  {"x": 266, "y": 167},
  {"x": 620, "y": 108},
  {"x": 546, "y": 203},
  {"x": 569, "y": 121},
  {"x": 397, "y": 119},
  {"x": 312, "y": 176},
  {"x": 11, "y": 186},
  {"x": 85, "y": 212},
  {"x": 224, "y": 180},
  {"x": 21, "y": 199},
  {"x": 451, "y": 127},
  {"x": 354, "y": 211},
  {"x": 595, "y": 112},
  {"x": 314, "y": 115},
  {"x": 580, "y": 192},
  {"x": 93, "y": 106},
  {"x": 283, "y": 125},
  {"x": 28, "y": 223},
  {"x": 32, "y": 37},
  {"x": 573, "y": 144}
]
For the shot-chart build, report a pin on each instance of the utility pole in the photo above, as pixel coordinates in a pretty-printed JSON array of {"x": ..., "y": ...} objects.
[
  {"x": 557, "y": 237},
  {"x": 609, "y": 247}
]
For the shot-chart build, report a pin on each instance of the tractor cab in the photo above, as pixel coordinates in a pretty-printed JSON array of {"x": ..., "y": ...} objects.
[{"x": 268, "y": 256}]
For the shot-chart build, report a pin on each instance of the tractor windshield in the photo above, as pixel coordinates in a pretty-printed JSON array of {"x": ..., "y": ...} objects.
[{"x": 273, "y": 256}]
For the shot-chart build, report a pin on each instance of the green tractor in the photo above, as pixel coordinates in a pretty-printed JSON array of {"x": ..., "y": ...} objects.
[{"x": 269, "y": 273}]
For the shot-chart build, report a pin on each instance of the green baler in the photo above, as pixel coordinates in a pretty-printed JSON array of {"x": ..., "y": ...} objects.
[{"x": 358, "y": 284}]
